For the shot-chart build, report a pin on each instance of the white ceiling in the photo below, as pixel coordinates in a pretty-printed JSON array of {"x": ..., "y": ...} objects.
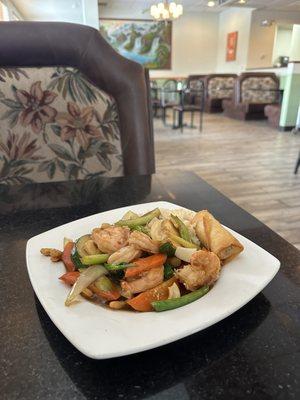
[
  {"x": 141, "y": 5},
  {"x": 71, "y": 10},
  {"x": 50, "y": 10},
  {"x": 276, "y": 5},
  {"x": 201, "y": 5}
]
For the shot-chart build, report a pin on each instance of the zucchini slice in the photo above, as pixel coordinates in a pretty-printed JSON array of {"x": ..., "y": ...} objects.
[
  {"x": 78, "y": 251},
  {"x": 80, "y": 245},
  {"x": 76, "y": 259}
]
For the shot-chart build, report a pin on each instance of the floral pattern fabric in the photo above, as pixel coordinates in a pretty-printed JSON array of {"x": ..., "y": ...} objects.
[
  {"x": 55, "y": 126},
  {"x": 220, "y": 87},
  {"x": 259, "y": 90},
  {"x": 196, "y": 84}
]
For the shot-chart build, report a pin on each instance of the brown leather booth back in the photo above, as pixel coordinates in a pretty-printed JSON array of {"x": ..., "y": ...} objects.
[{"x": 47, "y": 44}]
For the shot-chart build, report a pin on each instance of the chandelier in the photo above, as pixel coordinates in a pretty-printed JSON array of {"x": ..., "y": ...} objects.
[{"x": 166, "y": 11}]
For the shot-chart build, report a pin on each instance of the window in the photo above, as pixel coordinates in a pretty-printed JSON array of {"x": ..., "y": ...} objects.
[
  {"x": 4, "y": 13},
  {"x": 15, "y": 17}
]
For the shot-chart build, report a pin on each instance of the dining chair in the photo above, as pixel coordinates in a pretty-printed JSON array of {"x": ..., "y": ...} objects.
[
  {"x": 169, "y": 97},
  {"x": 155, "y": 97},
  {"x": 71, "y": 107},
  {"x": 195, "y": 91},
  {"x": 193, "y": 82}
]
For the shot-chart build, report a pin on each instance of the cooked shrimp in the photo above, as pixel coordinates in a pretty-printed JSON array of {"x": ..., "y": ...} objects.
[
  {"x": 147, "y": 280},
  {"x": 143, "y": 242},
  {"x": 204, "y": 270},
  {"x": 111, "y": 238},
  {"x": 125, "y": 254}
]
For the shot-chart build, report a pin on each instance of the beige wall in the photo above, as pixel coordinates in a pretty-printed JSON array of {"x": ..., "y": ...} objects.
[
  {"x": 231, "y": 20},
  {"x": 199, "y": 39},
  {"x": 194, "y": 42},
  {"x": 261, "y": 44},
  {"x": 195, "y": 39},
  {"x": 261, "y": 41}
]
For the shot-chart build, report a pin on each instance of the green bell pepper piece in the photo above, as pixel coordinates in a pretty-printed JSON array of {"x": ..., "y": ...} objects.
[{"x": 165, "y": 305}]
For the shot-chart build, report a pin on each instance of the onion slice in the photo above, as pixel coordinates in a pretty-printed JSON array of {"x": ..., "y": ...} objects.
[
  {"x": 85, "y": 279},
  {"x": 184, "y": 253},
  {"x": 174, "y": 292}
]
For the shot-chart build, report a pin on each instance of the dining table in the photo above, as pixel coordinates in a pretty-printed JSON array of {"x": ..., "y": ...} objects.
[{"x": 252, "y": 354}]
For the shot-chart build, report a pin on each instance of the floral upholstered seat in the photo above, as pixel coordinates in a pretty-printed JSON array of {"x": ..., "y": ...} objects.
[
  {"x": 256, "y": 89},
  {"x": 71, "y": 107},
  {"x": 56, "y": 125},
  {"x": 252, "y": 92},
  {"x": 220, "y": 87},
  {"x": 217, "y": 88}
]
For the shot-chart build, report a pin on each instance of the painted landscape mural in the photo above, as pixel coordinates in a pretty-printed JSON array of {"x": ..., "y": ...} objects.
[{"x": 143, "y": 41}]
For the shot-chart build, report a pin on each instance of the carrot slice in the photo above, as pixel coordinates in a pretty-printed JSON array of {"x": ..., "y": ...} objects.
[
  {"x": 66, "y": 257},
  {"x": 70, "y": 277},
  {"x": 142, "y": 302},
  {"x": 144, "y": 264},
  {"x": 109, "y": 295}
]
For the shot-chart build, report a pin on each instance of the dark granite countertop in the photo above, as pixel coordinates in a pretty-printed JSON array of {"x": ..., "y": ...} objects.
[{"x": 252, "y": 354}]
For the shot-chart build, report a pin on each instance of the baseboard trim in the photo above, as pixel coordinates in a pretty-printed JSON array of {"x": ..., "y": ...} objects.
[{"x": 286, "y": 128}]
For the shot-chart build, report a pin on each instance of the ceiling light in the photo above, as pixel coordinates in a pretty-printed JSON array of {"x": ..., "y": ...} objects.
[
  {"x": 160, "y": 7},
  {"x": 242, "y": 1},
  {"x": 179, "y": 9},
  {"x": 165, "y": 14},
  {"x": 211, "y": 3},
  {"x": 166, "y": 11},
  {"x": 172, "y": 7}
]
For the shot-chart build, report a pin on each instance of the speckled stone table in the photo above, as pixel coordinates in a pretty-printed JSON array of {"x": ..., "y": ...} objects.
[{"x": 253, "y": 354}]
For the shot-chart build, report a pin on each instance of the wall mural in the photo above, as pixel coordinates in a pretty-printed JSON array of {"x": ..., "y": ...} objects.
[
  {"x": 232, "y": 38},
  {"x": 144, "y": 41}
]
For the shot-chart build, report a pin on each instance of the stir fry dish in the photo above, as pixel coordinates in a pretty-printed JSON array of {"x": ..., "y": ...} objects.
[{"x": 158, "y": 261}]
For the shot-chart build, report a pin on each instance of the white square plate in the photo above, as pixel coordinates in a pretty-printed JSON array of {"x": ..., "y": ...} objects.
[{"x": 102, "y": 333}]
